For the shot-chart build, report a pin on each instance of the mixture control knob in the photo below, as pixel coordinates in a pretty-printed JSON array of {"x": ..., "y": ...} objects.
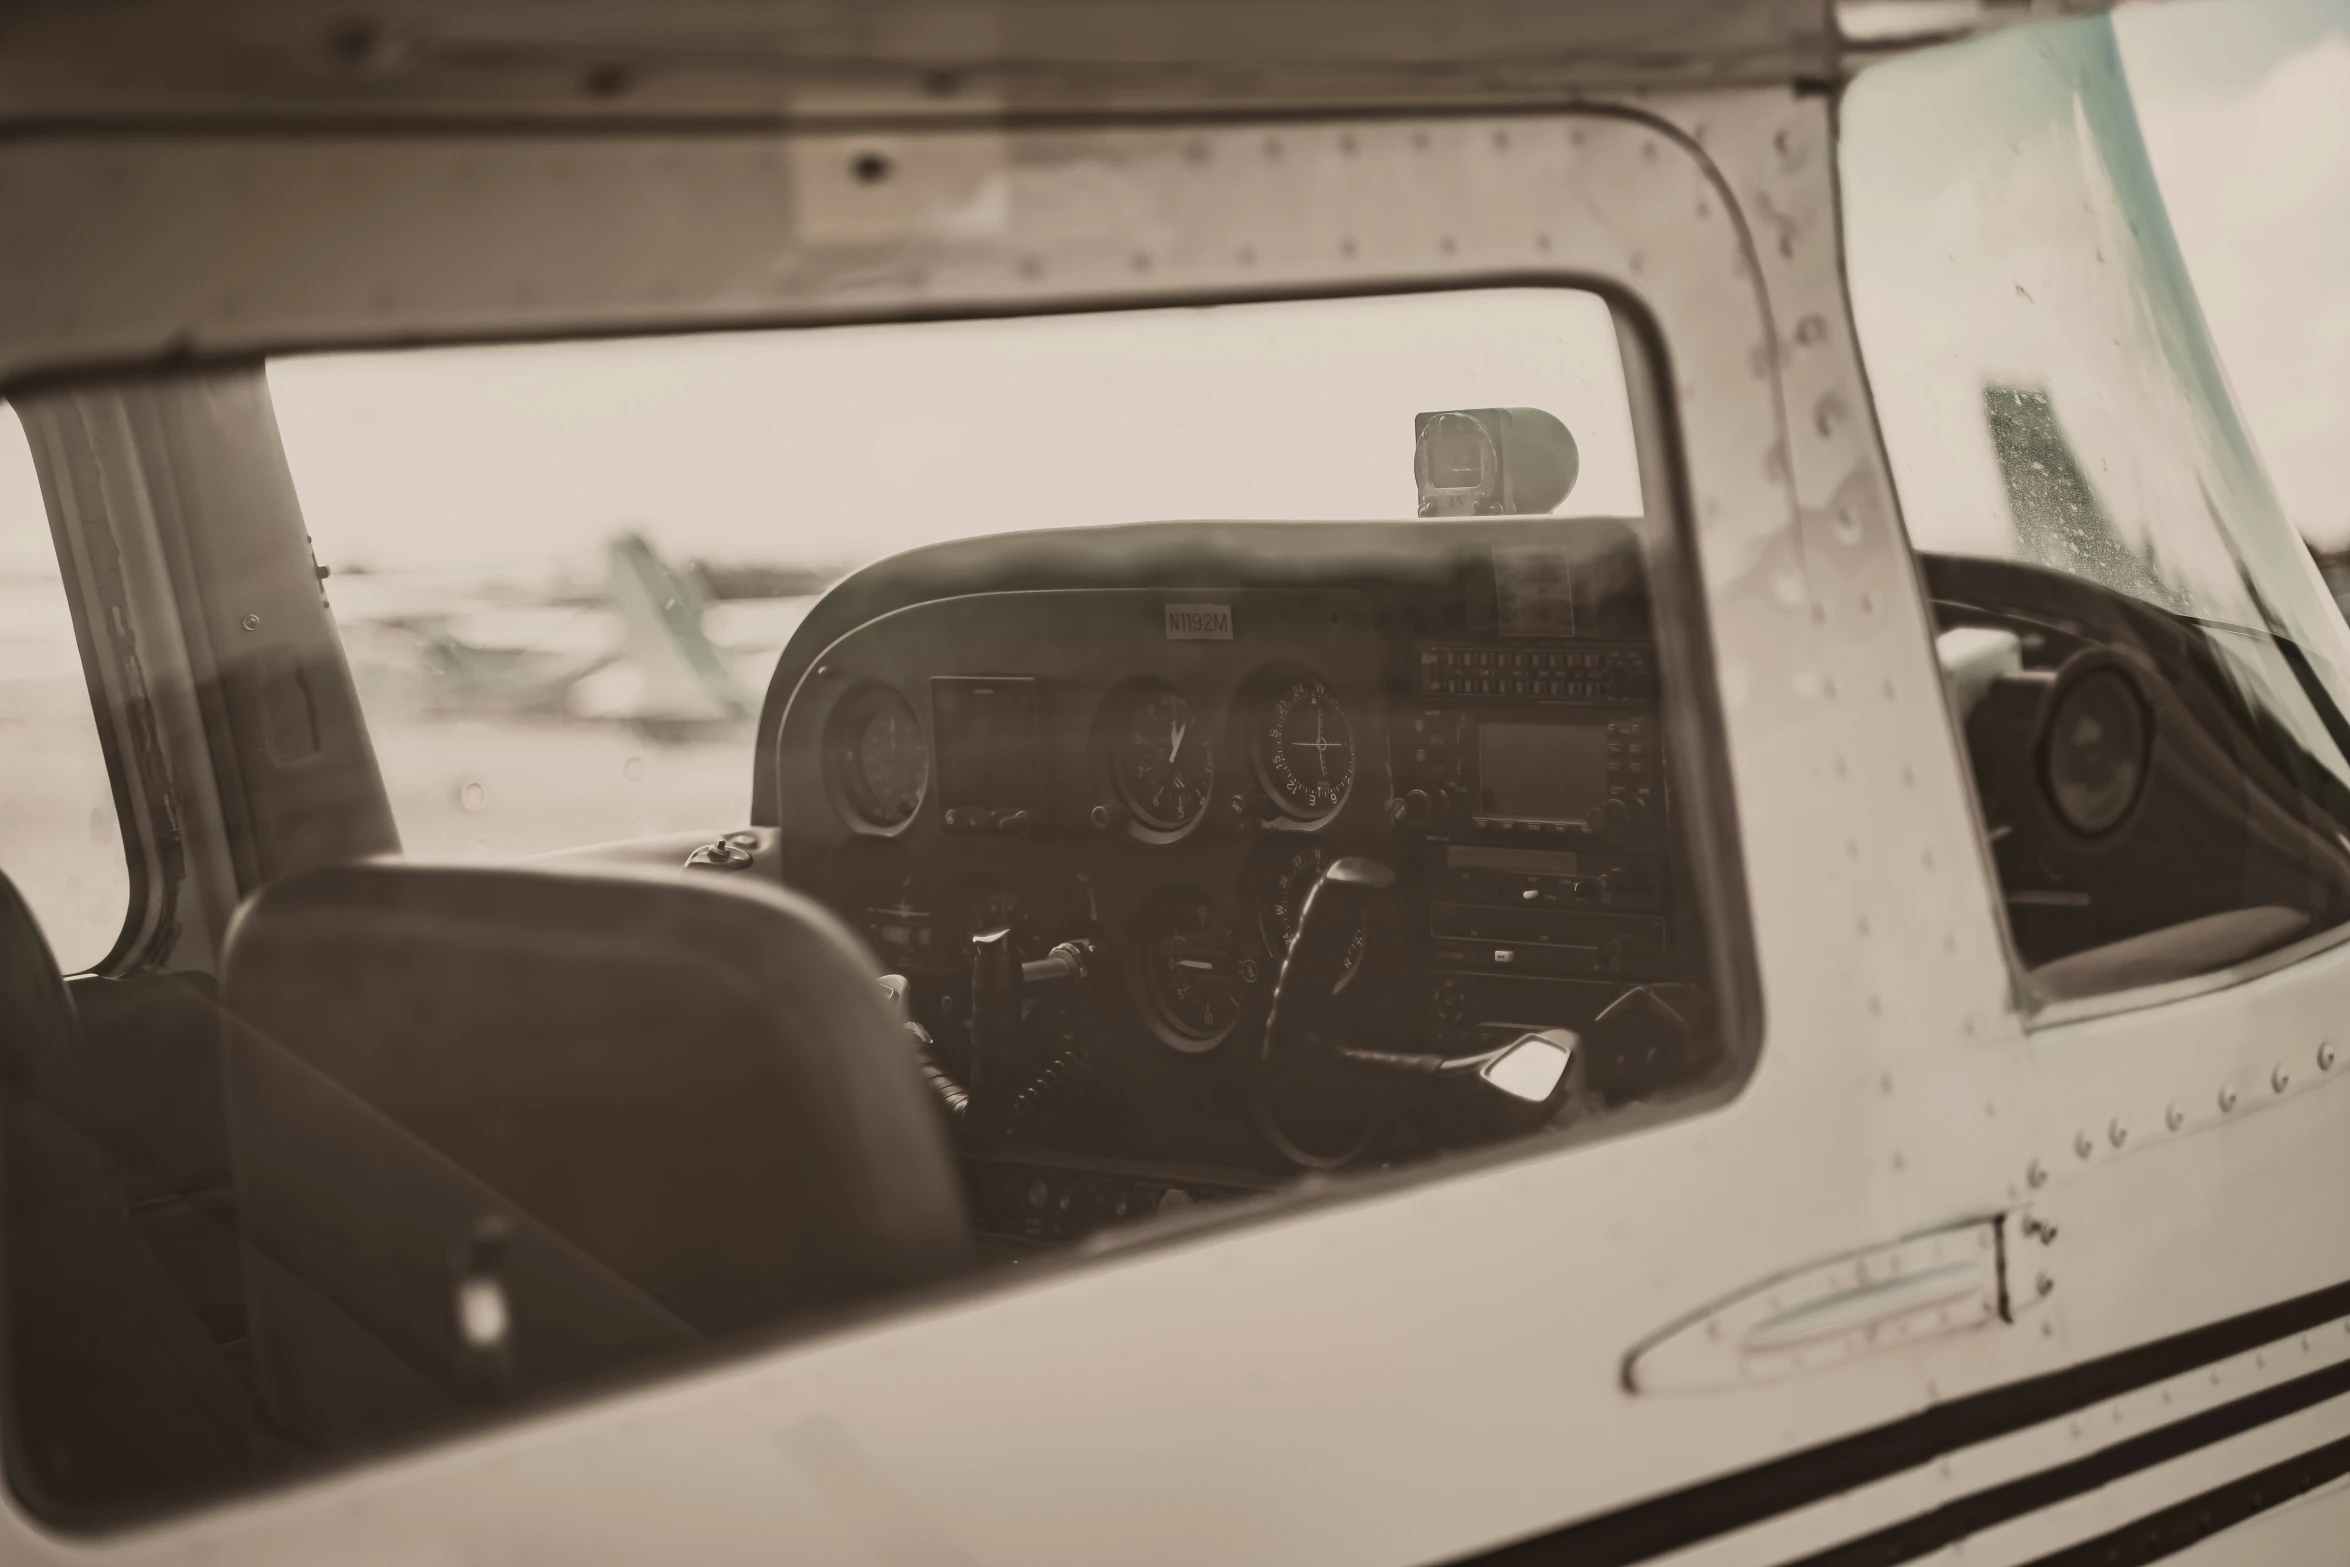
[
  {"x": 1614, "y": 816},
  {"x": 1417, "y": 808},
  {"x": 1452, "y": 1001},
  {"x": 1624, "y": 880}
]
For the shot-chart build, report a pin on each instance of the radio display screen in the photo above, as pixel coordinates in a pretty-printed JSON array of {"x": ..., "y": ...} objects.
[
  {"x": 1541, "y": 772},
  {"x": 987, "y": 740}
]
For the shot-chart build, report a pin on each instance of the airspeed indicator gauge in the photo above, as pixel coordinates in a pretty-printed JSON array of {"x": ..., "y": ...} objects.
[{"x": 878, "y": 759}]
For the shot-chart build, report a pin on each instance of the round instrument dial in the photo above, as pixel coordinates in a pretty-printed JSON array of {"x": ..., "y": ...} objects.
[
  {"x": 1186, "y": 952},
  {"x": 1281, "y": 882},
  {"x": 880, "y": 757},
  {"x": 1305, "y": 750},
  {"x": 1160, "y": 760}
]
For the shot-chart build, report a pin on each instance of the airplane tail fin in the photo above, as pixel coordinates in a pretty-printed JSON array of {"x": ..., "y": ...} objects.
[{"x": 685, "y": 677}]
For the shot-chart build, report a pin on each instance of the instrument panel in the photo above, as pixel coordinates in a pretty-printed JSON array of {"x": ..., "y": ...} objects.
[{"x": 1155, "y": 781}]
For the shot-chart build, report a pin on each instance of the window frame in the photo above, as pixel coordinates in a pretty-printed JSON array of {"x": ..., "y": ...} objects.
[{"x": 89, "y": 563}]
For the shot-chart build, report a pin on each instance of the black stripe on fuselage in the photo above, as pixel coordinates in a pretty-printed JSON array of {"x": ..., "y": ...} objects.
[
  {"x": 1783, "y": 1485},
  {"x": 1972, "y": 1514},
  {"x": 2176, "y": 1527}
]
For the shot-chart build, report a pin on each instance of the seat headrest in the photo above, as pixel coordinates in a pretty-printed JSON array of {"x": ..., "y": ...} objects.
[{"x": 695, "y": 1081}]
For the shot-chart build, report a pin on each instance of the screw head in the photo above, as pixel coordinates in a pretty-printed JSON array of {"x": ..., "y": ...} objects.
[
  {"x": 2084, "y": 1144},
  {"x": 2044, "y": 1284},
  {"x": 2227, "y": 1097},
  {"x": 2037, "y": 1175},
  {"x": 2325, "y": 1056},
  {"x": 2116, "y": 1133},
  {"x": 2174, "y": 1118},
  {"x": 251, "y": 622},
  {"x": 2280, "y": 1079}
]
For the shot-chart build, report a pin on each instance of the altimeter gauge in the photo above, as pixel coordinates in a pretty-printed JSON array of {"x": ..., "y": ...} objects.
[{"x": 1160, "y": 758}]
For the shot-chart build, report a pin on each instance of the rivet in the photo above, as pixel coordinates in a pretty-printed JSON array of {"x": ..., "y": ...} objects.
[
  {"x": 2116, "y": 1133},
  {"x": 2227, "y": 1097},
  {"x": 251, "y": 622},
  {"x": 2083, "y": 1144},
  {"x": 2280, "y": 1079},
  {"x": 2174, "y": 1118},
  {"x": 2037, "y": 1175},
  {"x": 2325, "y": 1056}
]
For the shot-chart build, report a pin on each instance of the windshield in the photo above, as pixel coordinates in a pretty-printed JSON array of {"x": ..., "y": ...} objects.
[
  {"x": 2051, "y": 396},
  {"x": 2064, "y": 331}
]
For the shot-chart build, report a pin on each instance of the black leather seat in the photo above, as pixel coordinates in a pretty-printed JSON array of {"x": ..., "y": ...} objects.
[
  {"x": 663, "y": 1109},
  {"x": 118, "y": 1391}
]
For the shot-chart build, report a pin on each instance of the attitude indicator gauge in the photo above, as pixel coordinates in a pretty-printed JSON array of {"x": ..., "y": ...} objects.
[
  {"x": 1160, "y": 759},
  {"x": 1305, "y": 749}
]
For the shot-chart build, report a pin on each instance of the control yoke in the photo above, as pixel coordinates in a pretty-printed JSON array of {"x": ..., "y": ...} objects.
[
  {"x": 1533, "y": 1069},
  {"x": 997, "y": 1097}
]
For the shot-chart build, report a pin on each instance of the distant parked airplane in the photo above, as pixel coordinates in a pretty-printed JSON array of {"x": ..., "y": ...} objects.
[{"x": 639, "y": 650}]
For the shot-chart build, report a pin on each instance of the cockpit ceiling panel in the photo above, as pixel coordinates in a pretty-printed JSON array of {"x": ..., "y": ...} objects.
[{"x": 297, "y": 62}]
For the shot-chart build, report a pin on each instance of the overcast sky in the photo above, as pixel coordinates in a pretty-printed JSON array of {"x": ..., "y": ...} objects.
[
  {"x": 843, "y": 445},
  {"x": 2246, "y": 110}
]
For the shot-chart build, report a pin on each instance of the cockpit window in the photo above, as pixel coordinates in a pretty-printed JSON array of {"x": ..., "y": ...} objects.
[
  {"x": 60, "y": 839},
  {"x": 1070, "y": 773},
  {"x": 2150, "y": 674}
]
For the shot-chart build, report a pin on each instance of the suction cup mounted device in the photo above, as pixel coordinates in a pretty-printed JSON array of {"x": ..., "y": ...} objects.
[{"x": 1492, "y": 462}]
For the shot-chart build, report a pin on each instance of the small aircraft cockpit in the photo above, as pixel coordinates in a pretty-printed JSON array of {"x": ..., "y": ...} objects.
[{"x": 1205, "y": 855}]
